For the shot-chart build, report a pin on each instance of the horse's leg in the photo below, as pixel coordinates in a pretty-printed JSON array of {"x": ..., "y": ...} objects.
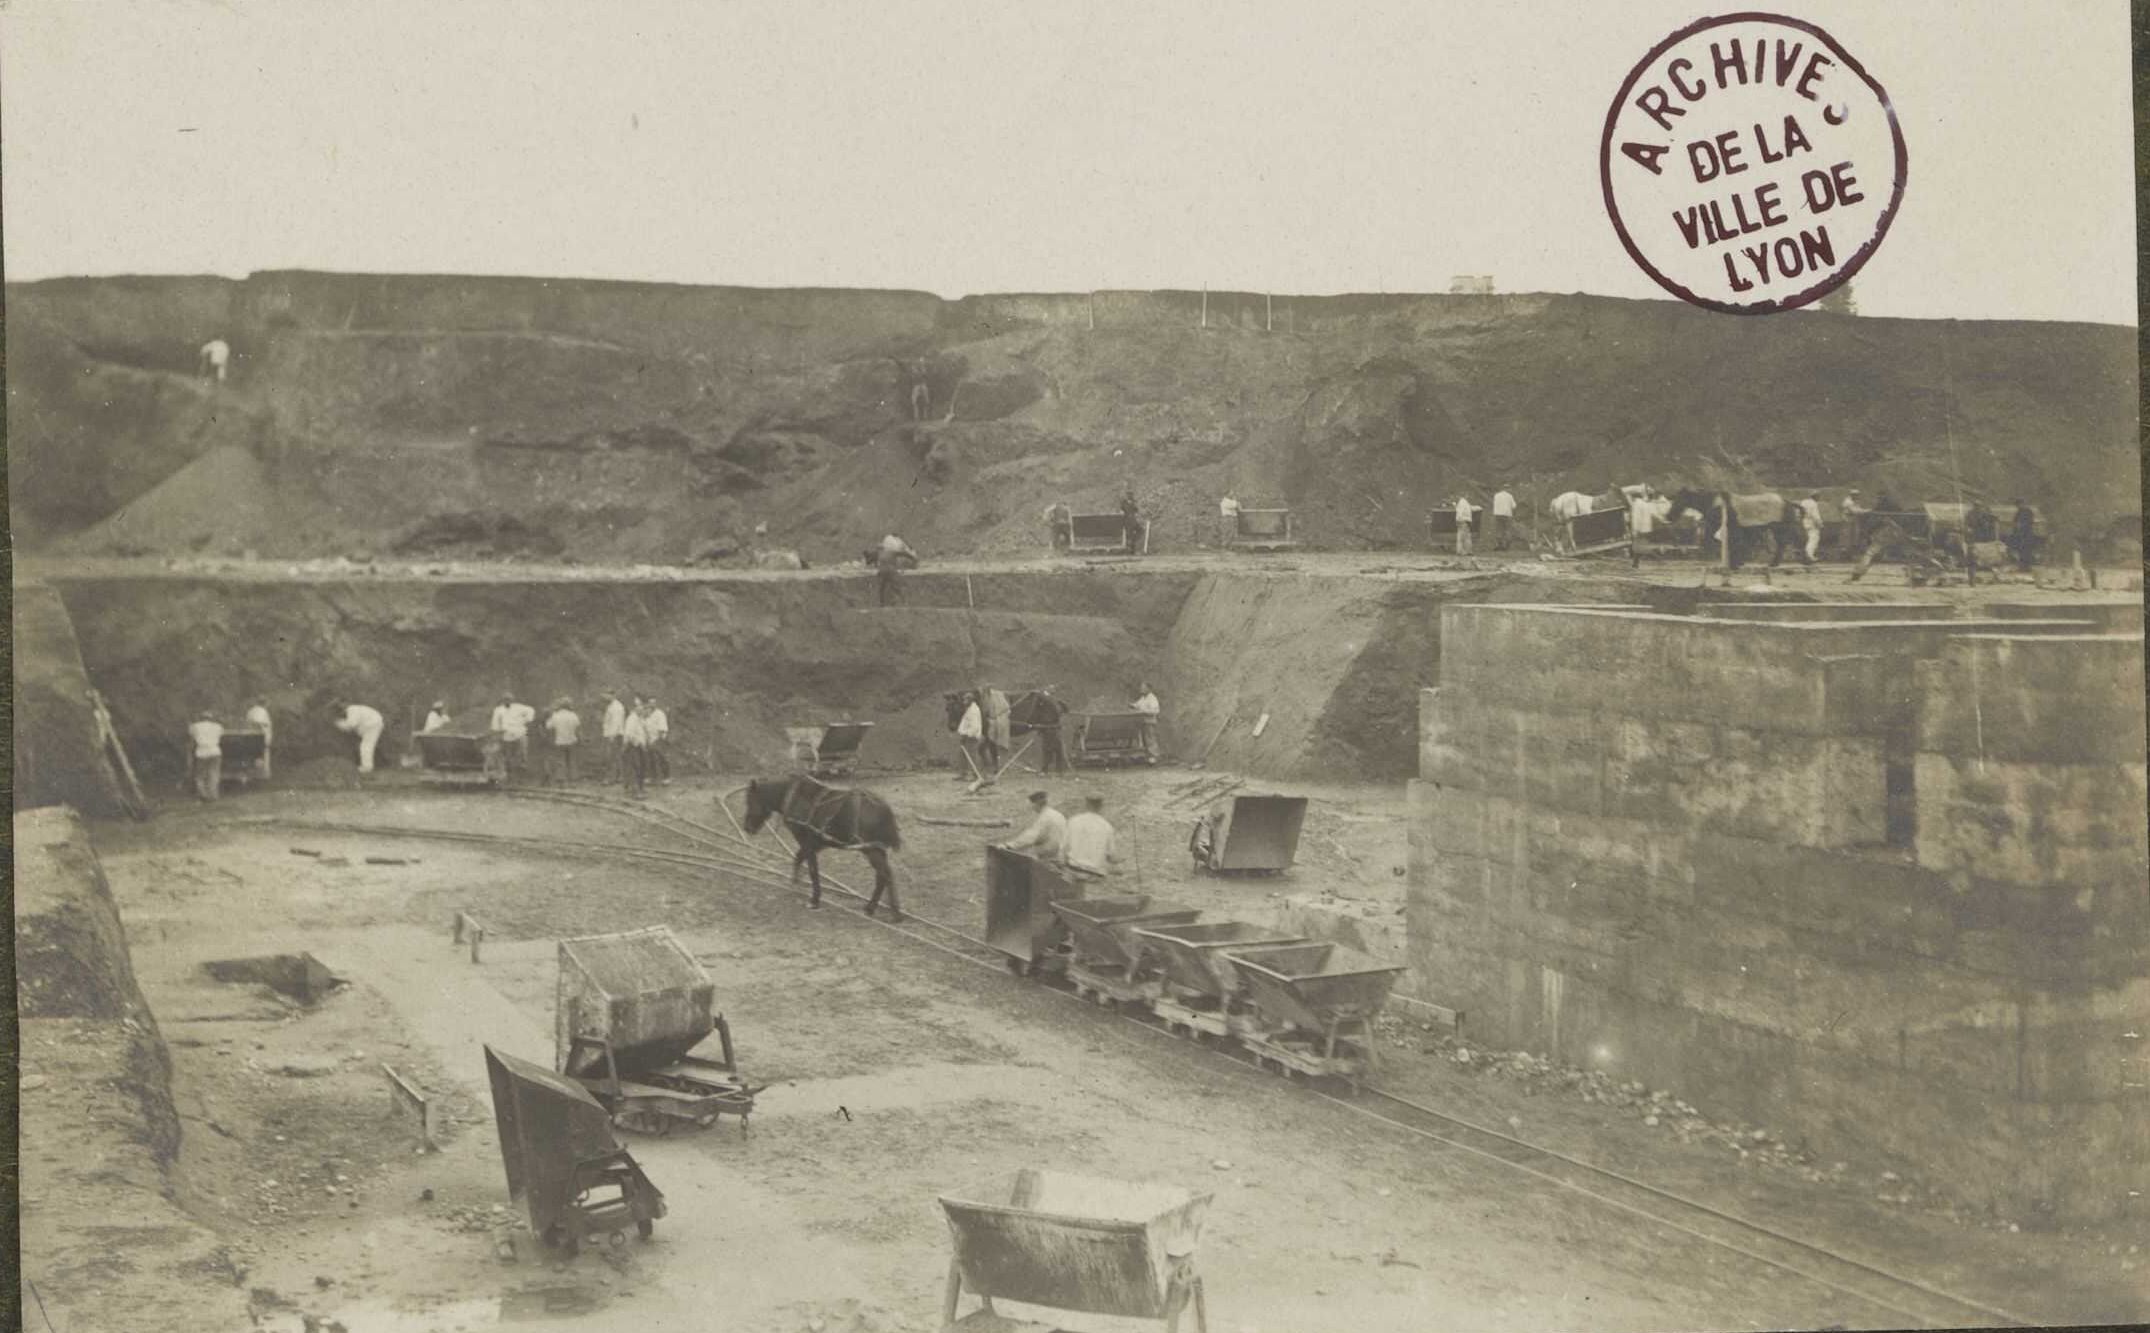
[{"x": 884, "y": 880}]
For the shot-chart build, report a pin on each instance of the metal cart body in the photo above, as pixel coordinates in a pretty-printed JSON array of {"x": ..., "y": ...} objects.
[
  {"x": 1020, "y": 891},
  {"x": 246, "y": 755},
  {"x": 563, "y": 1165},
  {"x": 1263, "y": 530},
  {"x": 1317, "y": 1003},
  {"x": 1255, "y": 835},
  {"x": 1107, "y": 534},
  {"x": 460, "y": 758},
  {"x": 1076, "y": 1244},
  {"x": 1109, "y": 738},
  {"x": 828, "y": 751},
  {"x": 1598, "y": 532},
  {"x": 632, "y": 1011},
  {"x": 1195, "y": 955}
]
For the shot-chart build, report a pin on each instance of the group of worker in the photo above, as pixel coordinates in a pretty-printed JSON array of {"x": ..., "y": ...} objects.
[
  {"x": 985, "y": 728},
  {"x": 205, "y": 748},
  {"x": 634, "y": 730},
  {"x": 1086, "y": 845},
  {"x": 1503, "y": 516}
]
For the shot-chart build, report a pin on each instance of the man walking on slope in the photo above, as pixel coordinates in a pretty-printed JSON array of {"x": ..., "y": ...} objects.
[{"x": 895, "y": 554}]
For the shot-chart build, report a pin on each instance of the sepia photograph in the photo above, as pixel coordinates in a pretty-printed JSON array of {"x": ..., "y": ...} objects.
[{"x": 1275, "y": 667}]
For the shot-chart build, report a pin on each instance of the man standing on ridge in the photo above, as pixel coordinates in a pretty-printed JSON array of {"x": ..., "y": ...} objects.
[
  {"x": 894, "y": 554},
  {"x": 1146, "y": 704}
]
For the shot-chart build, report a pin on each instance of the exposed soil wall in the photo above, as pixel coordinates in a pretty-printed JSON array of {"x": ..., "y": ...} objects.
[
  {"x": 99, "y": 1131},
  {"x": 57, "y": 756},
  {"x": 640, "y": 420}
]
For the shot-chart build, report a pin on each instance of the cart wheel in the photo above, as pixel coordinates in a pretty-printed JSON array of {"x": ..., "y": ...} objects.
[
  {"x": 655, "y": 1124},
  {"x": 618, "y": 1239},
  {"x": 645, "y": 1228}
]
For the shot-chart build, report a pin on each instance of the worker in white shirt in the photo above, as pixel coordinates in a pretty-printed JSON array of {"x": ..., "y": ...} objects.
[
  {"x": 634, "y": 750},
  {"x": 659, "y": 728},
  {"x": 1810, "y": 521},
  {"x": 257, "y": 715},
  {"x": 1465, "y": 512},
  {"x": 366, "y": 723},
  {"x": 564, "y": 725},
  {"x": 216, "y": 354},
  {"x": 970, "y": 734},
  {"x": 511, "y": 722},
  {"x": 439, "y": 717},
  {"x": 1503, "y": 518},
  {"x": 1227, "y": 520},
  {"x": 613, "y": 728},
  {"x": 1146, "y": 704},
  {"x": 1047, "y": 836},
  {"x": 1093, "y": 849},
  {"x": 895, "y": 553},
  {"x": 205, "y": 756}
]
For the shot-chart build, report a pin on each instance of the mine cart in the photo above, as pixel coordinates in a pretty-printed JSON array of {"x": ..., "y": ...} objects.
[
  {"x": 246, "y": 755},
  {"x": 460, "y": 758},
  {"x": 1108, "y": 962},
  {"x": 1107, "y": 534},
  {"x": 1263, "y": 530},
  {"x": 1316, "y": 1004},
  {"x": 1256, "y": 835},
  {"x": 1441, "y": 526},
  {"x": 830, "y": 751},
  {"x": 1599, "y": 532},
  {"x": 1076, "y": 1244},
  {"x": 632, "y": 1009},
  {"x": 1202, "y": 988},
  {"x": 1020, "y": 892},
  {"x": 1103, "y": 739},
  {"x": 563, "y": 1163}
]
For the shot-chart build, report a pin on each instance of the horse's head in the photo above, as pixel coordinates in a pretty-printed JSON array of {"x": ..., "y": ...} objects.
[{"x": 764, "y": 796}]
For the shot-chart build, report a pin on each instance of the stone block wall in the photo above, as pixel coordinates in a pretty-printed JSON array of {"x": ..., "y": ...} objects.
[{"x": 1876, "y": 884}]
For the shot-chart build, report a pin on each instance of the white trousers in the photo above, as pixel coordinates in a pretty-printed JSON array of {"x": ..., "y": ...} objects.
[{"x": 368, "y": 737}]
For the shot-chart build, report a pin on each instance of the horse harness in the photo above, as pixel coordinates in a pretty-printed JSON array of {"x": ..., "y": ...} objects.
[{"x": 825, "y": 805}]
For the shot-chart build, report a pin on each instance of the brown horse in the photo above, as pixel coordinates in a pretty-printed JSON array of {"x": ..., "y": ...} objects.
[{"x": 820, "y": 816}]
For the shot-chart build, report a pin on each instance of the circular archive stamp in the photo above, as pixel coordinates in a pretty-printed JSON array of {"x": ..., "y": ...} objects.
[{"x": 1750, "y": 164}]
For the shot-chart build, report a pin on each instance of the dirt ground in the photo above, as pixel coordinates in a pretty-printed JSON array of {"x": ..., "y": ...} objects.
[{"x": 897, "y": 1072}]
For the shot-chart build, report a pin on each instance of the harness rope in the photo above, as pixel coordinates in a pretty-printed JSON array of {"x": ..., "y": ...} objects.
[{"x": 819, "y": 802}]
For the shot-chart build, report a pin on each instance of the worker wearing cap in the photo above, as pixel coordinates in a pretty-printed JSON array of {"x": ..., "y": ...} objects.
[
  {"x": 511, "y": 721},
  {"x": 439, "y": 717},
  {"x": 257, "y": 716},
  {"x": 1093, "y": 848},
  {"x": 1047, "y": 836},
  {"x": 565, "y": 727},
  {"x": 205, "y": 738},
  {"x": 366, "y": 723},
  {"x": 659, "y": 728}
]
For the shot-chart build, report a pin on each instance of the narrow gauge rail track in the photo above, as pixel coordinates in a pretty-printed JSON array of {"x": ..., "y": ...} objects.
[{"x": 734, "y": 853}]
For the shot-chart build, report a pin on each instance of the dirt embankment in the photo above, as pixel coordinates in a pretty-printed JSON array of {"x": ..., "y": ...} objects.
[
  {"x": 102, "y": 1238},
  {"x": 1334, "y": 663},
  {"x": 58, "y": 758},
  {"x": 592, "y": 420}
]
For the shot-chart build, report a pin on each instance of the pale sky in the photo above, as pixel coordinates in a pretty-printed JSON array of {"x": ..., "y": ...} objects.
[{"x": 977, "y": 146}]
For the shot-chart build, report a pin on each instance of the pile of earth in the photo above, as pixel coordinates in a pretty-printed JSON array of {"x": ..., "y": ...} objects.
[{"x": 532, "y": 419}]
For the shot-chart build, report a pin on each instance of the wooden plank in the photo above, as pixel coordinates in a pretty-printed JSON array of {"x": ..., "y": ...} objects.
[{"x": 405, "y": 1097}]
